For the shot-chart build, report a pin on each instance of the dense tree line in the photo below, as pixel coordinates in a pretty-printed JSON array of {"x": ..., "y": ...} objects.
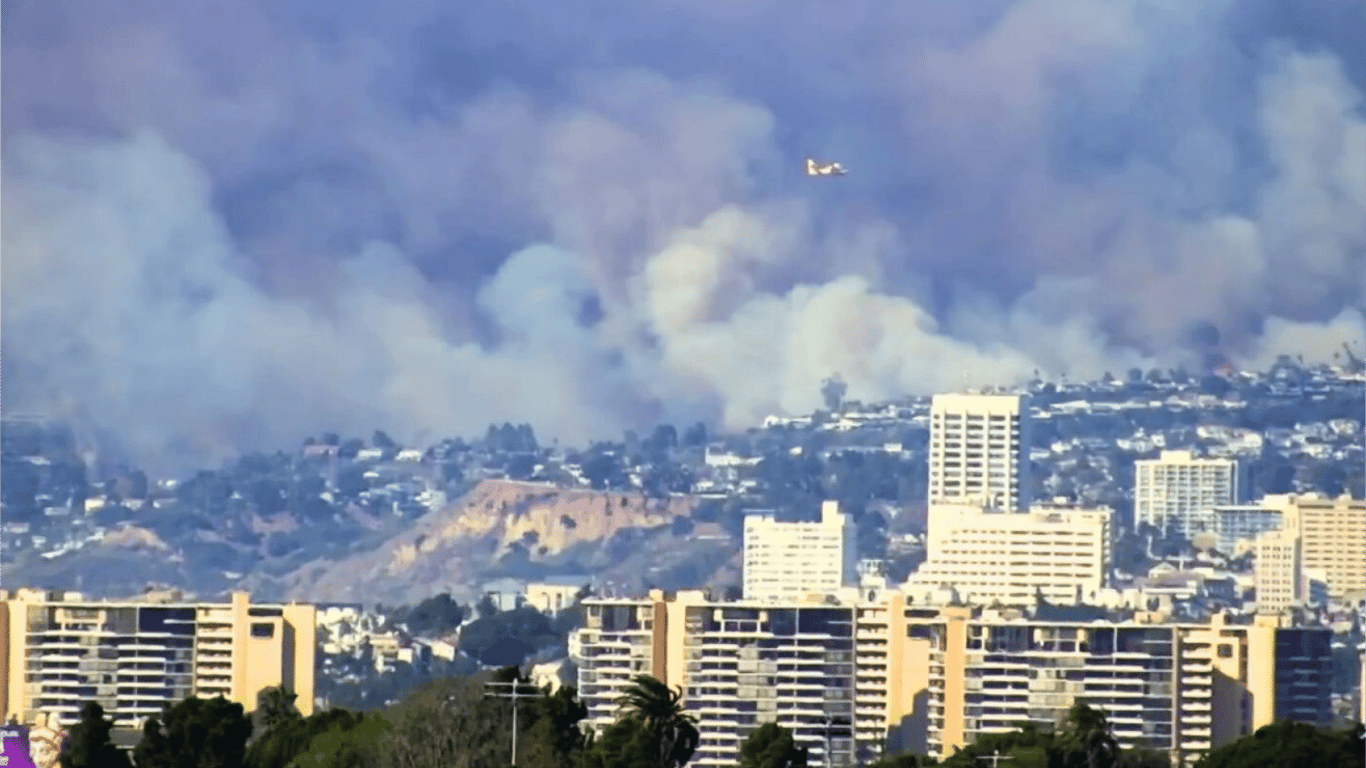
[{"x": 452, "y": 722}]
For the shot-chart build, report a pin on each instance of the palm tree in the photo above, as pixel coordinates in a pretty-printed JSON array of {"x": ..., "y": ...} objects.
[
  {"x": 660, "y": 710},
  {"x": 275, "y": 706},
  {"x": 1086, "y": 738}
]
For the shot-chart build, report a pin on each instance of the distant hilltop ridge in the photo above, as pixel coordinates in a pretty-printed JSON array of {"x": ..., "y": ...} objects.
[{"x": 448, "y": 547}]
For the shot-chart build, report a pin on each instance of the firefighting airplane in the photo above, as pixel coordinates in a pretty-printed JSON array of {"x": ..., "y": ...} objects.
[{"x": 814, "y": 168}]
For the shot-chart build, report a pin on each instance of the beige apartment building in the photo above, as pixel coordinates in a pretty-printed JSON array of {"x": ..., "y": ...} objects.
[
  {"x": 792, "y": 559},
  {"x": 1279, "y": 571},
  {"x": 868, "y": 672},
  {"x": 1178, "y": 688},
  {"x": 1063, "y": 554},
  {"x": 1332, "y": 535},
  {"x": 136, "y": 657},
  {"x": 979, "y": 451}
]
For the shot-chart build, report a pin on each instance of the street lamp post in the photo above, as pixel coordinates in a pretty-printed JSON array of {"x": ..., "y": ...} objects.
[{"x": 515, "y": 691}]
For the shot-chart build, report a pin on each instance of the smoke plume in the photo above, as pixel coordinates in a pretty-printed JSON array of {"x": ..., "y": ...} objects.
[{"x": 231, "y": 225}]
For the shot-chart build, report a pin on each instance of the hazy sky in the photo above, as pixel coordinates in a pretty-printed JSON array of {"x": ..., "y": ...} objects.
[{"x": 230, "y": 225}]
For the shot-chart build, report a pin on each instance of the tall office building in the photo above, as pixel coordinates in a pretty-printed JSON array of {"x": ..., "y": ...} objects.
[
  {"x": 1176, "y": 492},
  {"x": 793, "y": 559},
  {"x": 979, "y": 451},
  {"x": 136, "y": 657},
  {"x": 866, "y": 673},
  {"x": 1065, "y": 555}
]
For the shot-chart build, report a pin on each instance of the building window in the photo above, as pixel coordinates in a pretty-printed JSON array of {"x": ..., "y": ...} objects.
[{"x": 263, "y": 629}]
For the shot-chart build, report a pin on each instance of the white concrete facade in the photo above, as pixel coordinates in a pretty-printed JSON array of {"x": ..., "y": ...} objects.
[
  {"x": 979, "y": 451},
  {"x": 1176, "y": 492},
  {"x": 1279, "y": 570},
  {"x": 790, "y": 560},
  {"x": 1063, "y": 554}
]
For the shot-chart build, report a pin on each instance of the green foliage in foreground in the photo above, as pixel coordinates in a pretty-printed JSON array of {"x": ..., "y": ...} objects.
[{"x": 451, "y": 723}]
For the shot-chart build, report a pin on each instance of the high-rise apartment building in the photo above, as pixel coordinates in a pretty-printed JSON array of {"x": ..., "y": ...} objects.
[
  {"x": 979, "y": 451},
  {"x": 1065, "y": 555},
  {"x": 1279, "y": 571},
  {"x": 1237, "y": 527},
  {"x": 868, "y": 672},
  {"x": 136, "y": 657},
  {"x": 793, "y": 559},
  {"x": 1332, "y": 535},
  {"x": 816, "y": 666},
  {"x": 1181, "y": 689},
  {"x": 1175, "y": 492}
]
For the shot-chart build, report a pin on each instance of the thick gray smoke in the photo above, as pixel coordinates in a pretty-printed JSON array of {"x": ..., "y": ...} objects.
[{"x": 232, "y": 225}]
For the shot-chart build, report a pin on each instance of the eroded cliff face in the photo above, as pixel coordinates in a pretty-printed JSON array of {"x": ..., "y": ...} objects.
[
  {"x": 544, "y": 519},
  {"x": 447, "y": 548},
  {"x": 135, "y": 538}
]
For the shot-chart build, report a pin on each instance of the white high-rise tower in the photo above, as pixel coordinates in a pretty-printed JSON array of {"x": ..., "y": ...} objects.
[
  {"x": 979, "y": 452},
  {"x": 1175, "y": 492}
]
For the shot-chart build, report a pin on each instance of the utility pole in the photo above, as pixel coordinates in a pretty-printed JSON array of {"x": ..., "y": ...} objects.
[
  {"x": 995, "y": 757},
  {"x": 514, "y": 690}
]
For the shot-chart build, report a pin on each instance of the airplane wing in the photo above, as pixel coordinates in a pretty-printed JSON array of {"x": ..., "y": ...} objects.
[{"x": 814, "y": 168}]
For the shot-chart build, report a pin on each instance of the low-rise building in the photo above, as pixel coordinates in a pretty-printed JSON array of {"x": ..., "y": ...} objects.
[
  {"x": 556, "y": 593},
  {"x": 1065, "y": 555}
]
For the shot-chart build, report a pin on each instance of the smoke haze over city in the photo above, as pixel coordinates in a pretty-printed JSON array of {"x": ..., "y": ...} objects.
[{"x": 229, "y": 225}]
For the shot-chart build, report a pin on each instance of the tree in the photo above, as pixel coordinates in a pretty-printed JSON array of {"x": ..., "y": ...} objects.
[
  {"x": 1214, "y": 385},
  {"x": 626, "y": 743},
  {"x": 521, "y": 466},
  {"x": 526, "y": 438},
  {"x": 205, "y": 733},
  {"x": 553, "y": 736},
  {"x": 449, "y": 723},
  {"x": 1143, "y": 758},
  {"x": 833, "y": 390},
  {"x": 695, "y": 436},
  {"x": 350, "y": 447},
  {"x": 906, "y": 760},
  {"x": 1028, "y": 746},
  {"x": 664, "y": 438},
  {"x": 288, "y": 739},
  {"x": 275, "y": 707},
  {"x": 1085, "y": 740},
  {"x": 435, "y": 615},
  {"x": 1290, "y": 745},
  {"x": 351, "y": 482},
  {"x": 357, "y": 745},
  {"x": 660, "y": 711},
  {"x": 90, "y": 745},
  {"x": 771, "y": 746}
]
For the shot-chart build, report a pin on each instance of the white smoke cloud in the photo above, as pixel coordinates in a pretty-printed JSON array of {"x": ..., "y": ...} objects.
[{"x": 403, "y": 225}]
